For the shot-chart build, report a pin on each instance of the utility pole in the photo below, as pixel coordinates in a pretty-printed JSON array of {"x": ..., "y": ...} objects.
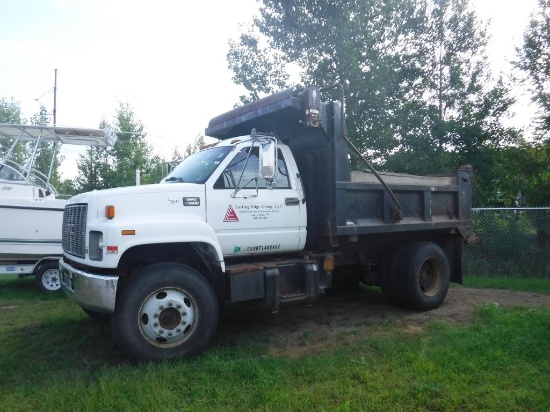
[{"x": 55, "y": 99}]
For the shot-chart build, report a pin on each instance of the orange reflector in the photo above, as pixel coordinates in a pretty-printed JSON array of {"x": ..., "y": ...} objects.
[
  {"x": 128, "y": 232},
  {"x": 328, "y": 263},
  {"x": 109, "y": 212}
]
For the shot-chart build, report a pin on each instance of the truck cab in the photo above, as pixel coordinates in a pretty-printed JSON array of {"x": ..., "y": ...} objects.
[{"x": 253, "y": 192}]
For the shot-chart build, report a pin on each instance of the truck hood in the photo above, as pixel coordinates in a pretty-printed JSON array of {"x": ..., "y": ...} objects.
[
  {"x": 145, "y": 190},
  {"x": 158, "y": 200}
]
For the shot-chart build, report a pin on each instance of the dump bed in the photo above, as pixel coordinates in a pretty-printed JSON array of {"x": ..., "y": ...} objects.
[{"x": 427, "y": 203}]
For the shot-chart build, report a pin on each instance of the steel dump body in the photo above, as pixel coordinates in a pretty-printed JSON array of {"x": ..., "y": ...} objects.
[{"x": 343, "y": 204}]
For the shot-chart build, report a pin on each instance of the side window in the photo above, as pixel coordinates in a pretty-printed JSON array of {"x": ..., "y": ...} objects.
[
  {"x": 231, "y": 176},
  {"x": 282, "y": 180}
]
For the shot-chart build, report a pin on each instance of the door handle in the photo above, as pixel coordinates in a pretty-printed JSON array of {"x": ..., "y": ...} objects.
[{"x": 292, "y": 201}]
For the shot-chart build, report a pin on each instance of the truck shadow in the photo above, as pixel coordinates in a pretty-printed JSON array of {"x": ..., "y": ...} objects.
[
  {"x": 332, "y": 318},
  {"x": 66, "y": 339}
]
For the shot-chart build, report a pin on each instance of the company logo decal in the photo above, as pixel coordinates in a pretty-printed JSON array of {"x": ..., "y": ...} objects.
[{"x": 230, "y": 215}]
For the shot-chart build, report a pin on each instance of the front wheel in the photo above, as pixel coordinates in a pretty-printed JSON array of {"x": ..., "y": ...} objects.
[
  {"x": 47, "y": 277},
  {"x": 165, "y": 311}
]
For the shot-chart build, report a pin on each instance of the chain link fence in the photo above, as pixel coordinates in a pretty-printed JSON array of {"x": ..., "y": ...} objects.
[{"x": 509, "y": 242}]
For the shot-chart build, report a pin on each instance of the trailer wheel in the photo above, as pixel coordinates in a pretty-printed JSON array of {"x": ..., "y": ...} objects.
[
  {"x": 423, "y": 274},
  {"x": 165, "y": 311},
  {"x": 47, "y": 277}
]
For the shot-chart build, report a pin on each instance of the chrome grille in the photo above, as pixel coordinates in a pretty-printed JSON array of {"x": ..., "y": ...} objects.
[{"x": 74, "y": 230}]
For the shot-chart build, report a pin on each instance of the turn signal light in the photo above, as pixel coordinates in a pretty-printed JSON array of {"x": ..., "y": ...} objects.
[{"x": 109, "y": 212}]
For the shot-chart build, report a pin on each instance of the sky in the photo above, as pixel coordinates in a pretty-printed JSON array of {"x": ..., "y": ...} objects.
[{"x": 166, "y": 59}]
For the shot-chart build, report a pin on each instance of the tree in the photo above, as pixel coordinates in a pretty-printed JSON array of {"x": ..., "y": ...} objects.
[
  {"x": 351, "y": 43},
  {"x": 102, "y": 168},
  {"x": 94, "y": 168},
  {"x": 193, "y": 147},
  {"x": 10, "y": 112},
  {"x": 177, "y": 157},
  {"x": 418, "y": 90},
  {"x": 534, "y": 60},
  {"x": 47, "y": 151},
  {"x": 530, "y": 164}
]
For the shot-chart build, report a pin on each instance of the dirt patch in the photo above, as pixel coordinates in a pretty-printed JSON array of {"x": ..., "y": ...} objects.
[{"x": 298, "y": 330}]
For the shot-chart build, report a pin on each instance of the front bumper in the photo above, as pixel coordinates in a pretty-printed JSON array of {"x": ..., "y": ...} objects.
[{"x": 91, "y": 291}]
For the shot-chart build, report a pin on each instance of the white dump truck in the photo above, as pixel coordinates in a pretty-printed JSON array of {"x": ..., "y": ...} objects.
[{"x": 271, "y": 214}]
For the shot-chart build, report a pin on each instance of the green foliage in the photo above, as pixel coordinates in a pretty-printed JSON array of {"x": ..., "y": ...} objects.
[
  {"x": 534, "y": 61},
  {"x": 193, "y": 147},
  {"x": 525, "y": 170},
  {"x": 102, "y": 168},
  {"x": 528, "y": 167},
  {"x": 419, "y": 94},
  {"x": 47, "y": 151},
  {"x": 10, "y": 112},
  {"x": 535, "y": 285}
]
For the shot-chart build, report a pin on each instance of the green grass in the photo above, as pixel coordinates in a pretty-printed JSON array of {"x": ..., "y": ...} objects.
[
  {"x": 53, "y": 357},
  {"x": 527, "y": 284}
]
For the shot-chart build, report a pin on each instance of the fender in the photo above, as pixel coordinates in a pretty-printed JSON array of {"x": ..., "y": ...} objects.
[{"x": 187, "y": 229}]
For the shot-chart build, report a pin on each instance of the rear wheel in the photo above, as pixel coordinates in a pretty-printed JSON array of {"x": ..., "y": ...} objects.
[
  {"x": 165, "y": 311},
  {"x": 47, "y": 277},
  {"x": 423, "y": 270}
]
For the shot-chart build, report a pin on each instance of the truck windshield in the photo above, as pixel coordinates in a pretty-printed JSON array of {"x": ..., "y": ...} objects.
[{"x": 198, "y": 167}]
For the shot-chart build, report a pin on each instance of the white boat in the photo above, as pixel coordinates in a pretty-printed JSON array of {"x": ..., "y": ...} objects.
[{"x": 31, "y": 210}]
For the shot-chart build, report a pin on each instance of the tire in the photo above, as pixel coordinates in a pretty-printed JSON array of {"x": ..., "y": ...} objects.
[
  {"x": 422, "y": 275},
  {"x": 47, "y": 277},
  {"x": 165, "y": 311},
  {"x": 97, "y": 315}
]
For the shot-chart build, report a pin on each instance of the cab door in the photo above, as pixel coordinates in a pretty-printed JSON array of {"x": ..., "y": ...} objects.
[{"x": 247, "y": 216}]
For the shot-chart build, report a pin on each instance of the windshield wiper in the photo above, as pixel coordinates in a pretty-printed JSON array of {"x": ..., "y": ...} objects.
[{"x": 175, "y": 179}]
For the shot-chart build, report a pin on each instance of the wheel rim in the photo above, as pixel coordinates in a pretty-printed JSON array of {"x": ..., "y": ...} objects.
[
  {"x": 167, "y": 317},
  {"x": 50, "y": 279},
  {"x": 430, "y": 279}
]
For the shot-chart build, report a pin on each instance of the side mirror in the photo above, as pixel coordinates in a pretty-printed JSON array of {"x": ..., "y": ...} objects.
[{"x": 268, "y": 159}]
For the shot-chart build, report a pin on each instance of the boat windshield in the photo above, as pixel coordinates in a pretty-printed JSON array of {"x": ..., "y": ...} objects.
[
  {"x": 10, "y": 174},
  {"x": 198, "y": 167}
]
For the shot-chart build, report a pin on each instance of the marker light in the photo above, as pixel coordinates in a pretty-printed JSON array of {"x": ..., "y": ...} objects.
[
  {"x": 328, "y": 262},
  {"x": 109, "y": 212},
  {"x": 128, "y": 232}
]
